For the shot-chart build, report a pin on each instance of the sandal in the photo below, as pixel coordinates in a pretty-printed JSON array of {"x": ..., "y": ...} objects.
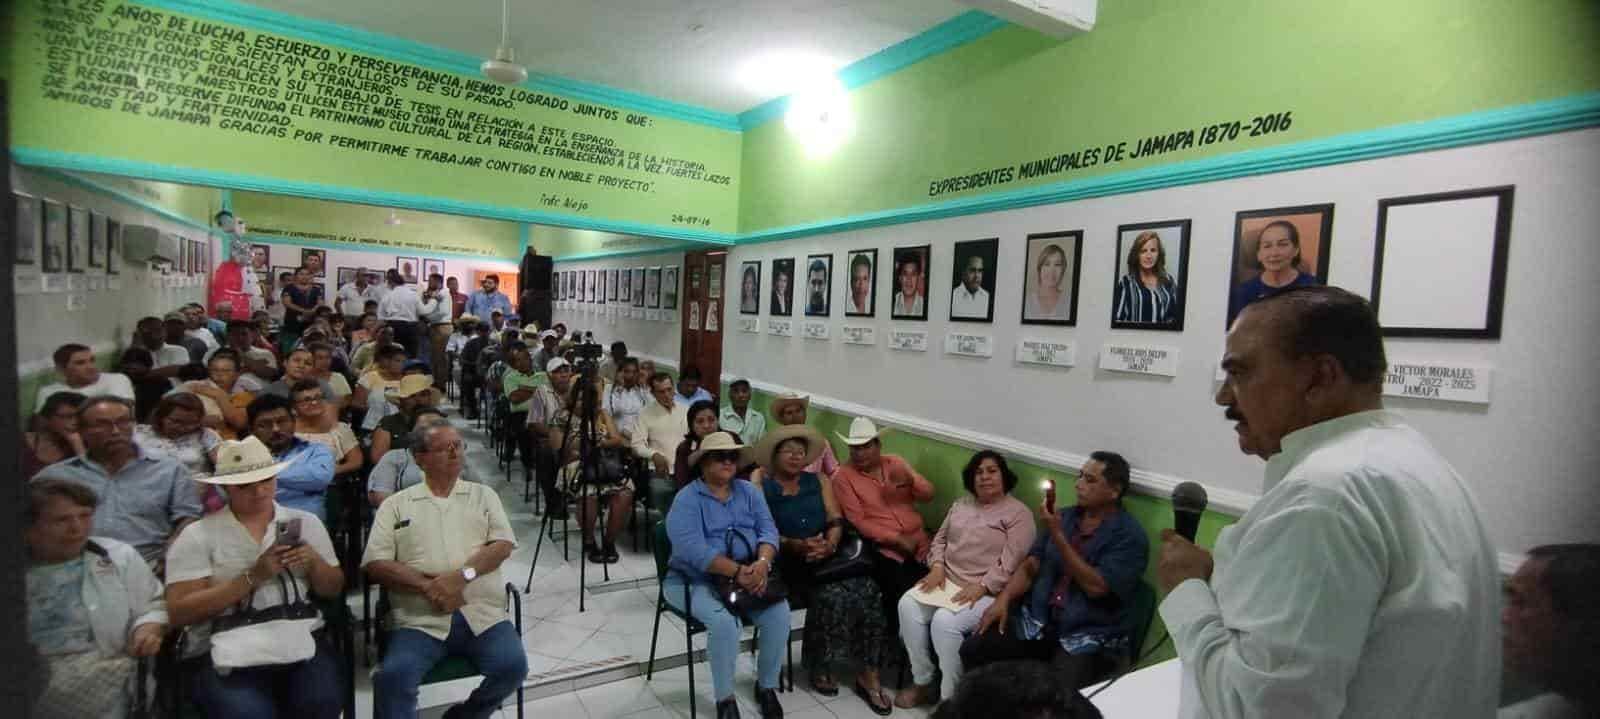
[
  {"x": 868, "y": 695},
  {"x": 831, "y": 689}
]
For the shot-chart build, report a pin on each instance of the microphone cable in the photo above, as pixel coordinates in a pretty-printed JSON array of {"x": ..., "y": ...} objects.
[{"x": 1165, "y": 636}]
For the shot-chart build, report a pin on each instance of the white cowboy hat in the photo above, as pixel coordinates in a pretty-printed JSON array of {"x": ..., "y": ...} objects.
[
  {"x": 862, "y": 431},
  {"x": 815, "y": 443},
  {"x": 243, "y": 462},
  {"x": 719, "y": 442},
  {"x": 411, "y": 384}
]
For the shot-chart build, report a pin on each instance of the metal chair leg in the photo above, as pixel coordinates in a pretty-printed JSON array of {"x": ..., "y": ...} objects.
[{"x": 536, "y": 547}]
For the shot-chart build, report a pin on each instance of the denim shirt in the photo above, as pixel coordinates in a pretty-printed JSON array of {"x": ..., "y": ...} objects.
[
  {"x": 302, "y": 483},
  {"x": 699, "y": 525},
  {"x": 1118, "y": 550}
]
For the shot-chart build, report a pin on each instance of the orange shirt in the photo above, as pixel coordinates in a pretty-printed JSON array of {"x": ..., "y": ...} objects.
[{"x": 879, "y": 508}]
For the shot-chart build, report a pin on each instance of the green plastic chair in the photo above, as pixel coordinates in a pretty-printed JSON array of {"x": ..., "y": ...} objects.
[{"x": 450, "y": 667}]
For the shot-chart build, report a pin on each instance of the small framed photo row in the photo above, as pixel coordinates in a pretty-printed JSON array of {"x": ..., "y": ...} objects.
[
  {"x": 1467, "y": 303},
  {"x": 1152, "y": 276},
  {"x": 1050, "y": 278},
  {"x": 782, "y": 303},
  {"x": 819, "y": 285},
  {"x": 669, "y": 288},
  {"x": 1277, "y": 248},
  {"x": 972, "y": 286},
  {"x": 750, "y": 288},
  {"x": 861, "y": 283},
  {"x": 910, "y": 299}
]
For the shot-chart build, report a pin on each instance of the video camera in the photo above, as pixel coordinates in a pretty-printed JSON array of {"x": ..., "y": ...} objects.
[{"x": 586, "y": 351}]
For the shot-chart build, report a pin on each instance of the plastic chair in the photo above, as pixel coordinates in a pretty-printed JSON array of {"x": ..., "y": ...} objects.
[{"x": 450, "y": 667}]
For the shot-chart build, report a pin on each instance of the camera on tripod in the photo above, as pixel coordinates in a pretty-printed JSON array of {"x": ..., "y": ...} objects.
[{"x": 587, "y": 352}]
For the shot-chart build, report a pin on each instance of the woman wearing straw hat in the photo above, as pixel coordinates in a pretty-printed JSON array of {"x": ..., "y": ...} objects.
[
  {"x": 722, "y": 528},
  {"x": 844, "y": 617},
  {"x": 246, "y": 554}
]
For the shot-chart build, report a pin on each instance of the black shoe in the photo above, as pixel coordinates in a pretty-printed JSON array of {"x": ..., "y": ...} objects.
[
  {"x": 728, "y": 709},
  {"x": 557, "y": 511},
  {"x": 767, "y": 699},
  {"x": 593, "y": 553},
  {"x": 609, "y": 554}
]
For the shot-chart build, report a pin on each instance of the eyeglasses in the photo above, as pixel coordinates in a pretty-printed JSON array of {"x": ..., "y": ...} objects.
[
  {"x": 454, "y": 449},
  {"x": 732, "y": 457}
]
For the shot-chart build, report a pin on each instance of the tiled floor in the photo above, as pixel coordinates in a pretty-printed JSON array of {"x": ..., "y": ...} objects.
[{"x": 591, "y": 663}]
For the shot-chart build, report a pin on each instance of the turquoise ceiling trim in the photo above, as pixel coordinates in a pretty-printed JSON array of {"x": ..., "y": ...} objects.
[
  {"x": 436, "y": 58},
  {"x": 1509, "y": 123},
  {"x": 952, "y": 33}
]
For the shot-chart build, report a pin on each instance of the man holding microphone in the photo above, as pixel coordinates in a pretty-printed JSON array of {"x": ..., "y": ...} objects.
[{"x": 1362, "y": 582}]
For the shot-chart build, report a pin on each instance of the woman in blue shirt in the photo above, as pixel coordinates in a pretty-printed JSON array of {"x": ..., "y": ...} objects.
[{"x": 722, "y": 528}]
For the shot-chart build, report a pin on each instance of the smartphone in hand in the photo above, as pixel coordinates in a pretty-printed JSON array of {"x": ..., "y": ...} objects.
[
  {"x": 1050, "y": 494},
  {"x": 289, "y": 533}
]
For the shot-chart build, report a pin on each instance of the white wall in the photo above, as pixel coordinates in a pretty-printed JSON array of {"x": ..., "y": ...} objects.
[
  {"x": 656, "y": 340},
  {"x": 1531, "y": 455}
]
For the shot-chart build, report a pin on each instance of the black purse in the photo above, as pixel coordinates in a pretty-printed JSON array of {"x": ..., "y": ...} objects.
[
  {"x": 851, "y": 559},
  {"x": 742, "y": 601}
]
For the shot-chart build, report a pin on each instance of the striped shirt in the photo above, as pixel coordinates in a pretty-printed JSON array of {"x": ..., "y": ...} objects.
[{"x": 1136, "y": 303}]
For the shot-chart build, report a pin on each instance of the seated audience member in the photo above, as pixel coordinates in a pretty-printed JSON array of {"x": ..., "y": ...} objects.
[
  {"x": 497, "y": 324},
  {"x": 394, "y": 431},
  {"x": 176, "y": 328},
  {"x": 878, "y": 493},
  {"x": 322, "y": 369},
  {"x": 647, "y": 369},
  {"x": 367, "y": 332},
  {"x": 1076, "y": 585},
  {"x": 471, "y": 372},
  {"x": 844, "y": 616},
  {"x": 144, "y": 500},
  {"x": 738, "y": 417},
  {"x": 721, "y": 527},
  {"x": 54, "y": 436},
  {"x": 307, "y": 468},
  {"x": 791, "y": 408},
  {"x": 262, "y": 554},
  {"x": 700, "y": 422},
  {"x": 298, "y": 365},
  {"x": 198, "y": 327},
  {"x": 609, "y": 482},
  {"x": 148, "y": 387},
  {"x": 983, "y": 539},
  {"x": 1015, "y": 689},
  {"x": 541, "y": 431},
  {"x": 370, "y": 395},
  {"x": 689, "y": 389},
  {"x": 1551, "y": 632},
  {"x": 517, "y": 384},
  {"x": 397, "y": 469},
  {"x": 257, "y": 365},
  {"x": 660, "y": 426},
  {"x": 175, "y": 432},
  {"x": 437, "y": 547},
  {"x": 547, "y": 348},
  {"x": 338, "y": 335},
  {"x": 608, "y": 368},
  {"x": 75, "y": 364},
  {"x": 221, "y": 393},
  {"x": 316, "y": 421},
  {"x": 361, "y": 361},
  {"x": 626, "y": 397},
  {"x": 93, "y": 608}
]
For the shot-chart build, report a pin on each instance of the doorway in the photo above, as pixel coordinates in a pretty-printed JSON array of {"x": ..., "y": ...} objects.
[{"x": 702, "y": 321}]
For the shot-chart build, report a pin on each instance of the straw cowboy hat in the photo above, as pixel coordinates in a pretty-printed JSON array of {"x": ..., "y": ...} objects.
[
  {"x": 862, "y": 431},
  {"x": 815, "y": 443},
  {"x": 719, "y": 442},
  {"x": 411, "y": 384},
  {"x": 243, "y": 462},
  {"x": 785, "y": 400}
]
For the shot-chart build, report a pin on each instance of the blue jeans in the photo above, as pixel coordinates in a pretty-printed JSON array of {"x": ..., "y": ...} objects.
[
  {"x": 311, "y": 689},
  {"x": 497, "y": 653},
  {"x": 722, "y": 630}
]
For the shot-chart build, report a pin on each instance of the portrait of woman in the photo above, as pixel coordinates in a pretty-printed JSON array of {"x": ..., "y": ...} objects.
[
  {"x": 317, "y": 260},
  {"x": 750, "y": 289},
  {"x": 1151, "y": 280},
  {"x": 1050, "y": 279},
  {"x": 782, "y": 304},
  {"x": 1278, "y": 248},
  {"x": 862, "y": 299},
  {"x": 911, "y": 283},
  {"x": 669, "y": 288},
  {"x": 652, "y": 288}
]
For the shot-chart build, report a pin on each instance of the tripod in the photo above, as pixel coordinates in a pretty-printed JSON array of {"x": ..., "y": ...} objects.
[{"x": 584, "y": 409}]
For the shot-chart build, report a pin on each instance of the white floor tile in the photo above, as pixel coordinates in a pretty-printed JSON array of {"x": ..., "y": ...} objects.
[{"x": 618, "y": 699}]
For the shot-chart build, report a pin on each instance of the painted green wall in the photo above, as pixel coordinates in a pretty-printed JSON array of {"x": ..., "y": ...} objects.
[
  {"x": 341, "y": 225},
  {"x": 1154, "y": 67},
  {"x": 196, "y": 204},
  {"x": 569, "y": 243}
]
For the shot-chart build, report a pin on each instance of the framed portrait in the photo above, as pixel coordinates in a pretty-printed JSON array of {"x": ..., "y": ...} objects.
[
  {"x": 910, "y": 297},
  {"x": 637, "y": 281},
  {"x": 28, "y": 228},
  {"x": 1050, "y": 274},
  {"x": 652, "y": 288},
  {"x": 77, "y": 239},
  {"x": 623, "y": 286},
  {"x": 344, "y": 276},
  {"x": 593, "y": 294},
  {"x": 750, "y": 288},
  {"x": 317, "y": 260},
  {"x": 113, "y": 247},
  {"x": 1151, "y": 276},
  {"x": 604, "y": 288},
  {"x": 260, "y": 258},
  {"x": 431, "y": 268},
  {"x": 97, "y": 240},
  {"x": 819, "y": 285},
  {"x": 564, "y": 282},
  {"x": 781, "y": 303},
  {"x": 407, "y": 267},
  {"x": 1277, "y": 248},
  {"x": 861, "y": 283},
  {"x": 669, "y": 288},
  {"x": 612, "y": 290},
  {"x": 207, "y": 250},
  {"x": 182, "y": 264},
  {"x": 1466, "y": 294},
  {"x": 55, "y": 237},
  {"x": 972, "y": 284},
  {"x": 583, "y": 285}
]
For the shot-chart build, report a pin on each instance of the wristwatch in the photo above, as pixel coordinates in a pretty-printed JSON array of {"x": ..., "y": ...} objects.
[{"x": 469, "y": 574}]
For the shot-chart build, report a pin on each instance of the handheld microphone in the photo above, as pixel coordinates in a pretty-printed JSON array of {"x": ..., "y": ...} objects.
[{"x": 1188, "y": 503}]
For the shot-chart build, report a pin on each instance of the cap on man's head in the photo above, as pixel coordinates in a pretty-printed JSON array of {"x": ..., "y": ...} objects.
[{"x": 556, "y": 364}]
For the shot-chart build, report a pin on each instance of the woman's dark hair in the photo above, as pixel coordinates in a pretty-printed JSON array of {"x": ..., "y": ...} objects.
[
  {"x": 1294, "y": 239},
  {"x": 55, "y": 402},
  {"x": 174, "y": 402},
  {"x": 137, "y": 355},
  {"x": 303, "y": 385},
  {"x": 1024, "y": 689},
  {"x": 1133, "y": 256},
  {"x": 226, "y": 353},
  {"x": 704, "y": 405},
  {"x": 266, "y": 403},
  {"x": 969, "y": 473},
  {"x": 1116, "y": 471}
]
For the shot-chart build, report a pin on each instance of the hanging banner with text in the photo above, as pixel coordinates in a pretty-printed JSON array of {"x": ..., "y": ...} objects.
[
  {"x": 200, "y": 95},
  {"x": 1140, "y": 359},
  {"x": 1446, "y": 382}
]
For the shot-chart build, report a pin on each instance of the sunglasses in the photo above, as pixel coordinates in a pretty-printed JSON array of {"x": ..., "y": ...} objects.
[{"x": 723, "y": 456}]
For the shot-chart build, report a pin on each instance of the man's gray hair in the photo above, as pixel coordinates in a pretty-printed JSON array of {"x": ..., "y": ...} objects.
[
  {"x": 425, "y": 429},
  {"x": 93, "y": 402}
]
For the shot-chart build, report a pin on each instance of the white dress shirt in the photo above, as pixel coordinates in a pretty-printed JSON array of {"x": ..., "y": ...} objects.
[
  {"x": 170, "y": 354},
  {"x": 352, "y": 299},
  {"x": 659, "y": 430},
  {"x": 112, "y": 384},
  {"x": 969, "y": 304},
  {"x": 436, "y": 310},
  {"x": 1361, "y": 584},
  {"x": 400, "y": 305},
  {"x": 204, "y": 335},
  {"x": 901, "y": 307}
]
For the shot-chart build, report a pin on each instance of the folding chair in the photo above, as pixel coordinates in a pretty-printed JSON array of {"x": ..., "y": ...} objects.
[{"x": 451, "y": 667}]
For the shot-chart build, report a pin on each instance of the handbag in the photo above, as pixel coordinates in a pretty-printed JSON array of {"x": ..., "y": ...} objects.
[
  {"x": 851, "y": 559},
  {"x": 266, "y": 637},
  {"x": 742, "y": 601}
]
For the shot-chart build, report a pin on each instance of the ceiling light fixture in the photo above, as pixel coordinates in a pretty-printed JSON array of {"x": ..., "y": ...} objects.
[
  {"x": 819, "y": 115},
  {"x": 503, "y": 67}
]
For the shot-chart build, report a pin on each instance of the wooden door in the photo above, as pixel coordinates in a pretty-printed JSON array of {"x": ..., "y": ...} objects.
[{"x": 702, "y": 316}]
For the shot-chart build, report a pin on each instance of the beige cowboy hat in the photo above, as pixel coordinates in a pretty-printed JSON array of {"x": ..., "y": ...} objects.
[
  {"x": 815, "y": 442},
  {"x": 785, "y": 400},
  {"x": 862, "y": 431},
  {"x": 719, "y": 442},
  {"x": 246, "y": 461},
  {"x": 411, "y": 384}
]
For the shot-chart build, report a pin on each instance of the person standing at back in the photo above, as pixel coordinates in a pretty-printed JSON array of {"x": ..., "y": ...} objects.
[
  {"x": 1362, "y": 583},
  {"x": 399, "y": 310},
  {"x": 486, "y": 301}
]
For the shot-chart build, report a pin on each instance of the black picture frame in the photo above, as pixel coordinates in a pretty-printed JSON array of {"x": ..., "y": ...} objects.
[
  {"x": 1038, "y": 245},
  {"x": 637, "y": 282},
  {"x": 780, "y": 302},
  {"x": 261, "y": 258},
  {"x": 431, "y": 268},
  {"x": 750, "y": 288},
  {"x": 988, "y": 251},
  {"x": 652, "y": 288},
  {"x": 1125, "y": 297},
  {"x": 612, "y": 289},
  {"x": 27, "y": 228},
  {"x": 77, "y": 240},
  {"x": 922, "y": 257},
  {"x": 867, "y": 258},
  {"x": 401, "y": 264},
  {"x": 1247, "y": 228},
  {"x": 320, "y": 265},
  {"x": 814, "y": 263},
  {"x": 97, "y": 240},
  {"x": 1493, "y": 302},
  {"x": 669, "y": 287},
  {"x": 113, "y": 247},
  {"x": 344, "y": 276},
  {"x": 53, "y": 257}
]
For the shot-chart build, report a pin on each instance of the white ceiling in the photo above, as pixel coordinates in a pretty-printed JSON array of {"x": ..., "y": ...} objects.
[{"x": 686, "y": 51}]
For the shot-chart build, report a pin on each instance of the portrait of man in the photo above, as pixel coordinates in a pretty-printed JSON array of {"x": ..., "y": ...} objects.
[
  {"x": 669, "y": 288},
  {"x": 1278, "y": 248},
  {"x": 407, "y": 266},
  {"x": 750, "y": 288},
  {"x": 652, "y": 288},
  {"x": 260, "y": 258},
  {"x": 638, "y": 286},
  {"x": 972, "y": 296},
  {"x": 819, "y": 283},
  {"x": 432, "y": 267},
  {"x": 861, "y": 298},
  {"x": 782, "y": 304},
  {"x": 55, "y": 236},
  {"x": 1152, "y": 276},
  {"x": 78, "y": 240},
  {"x": 612, "y": 288},
  {"x": 28, "y": 228},
  {"x": 317, "y": 260},
  {"x": 1050, "y": 278},
  {"x": 911, "y": 283}
]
